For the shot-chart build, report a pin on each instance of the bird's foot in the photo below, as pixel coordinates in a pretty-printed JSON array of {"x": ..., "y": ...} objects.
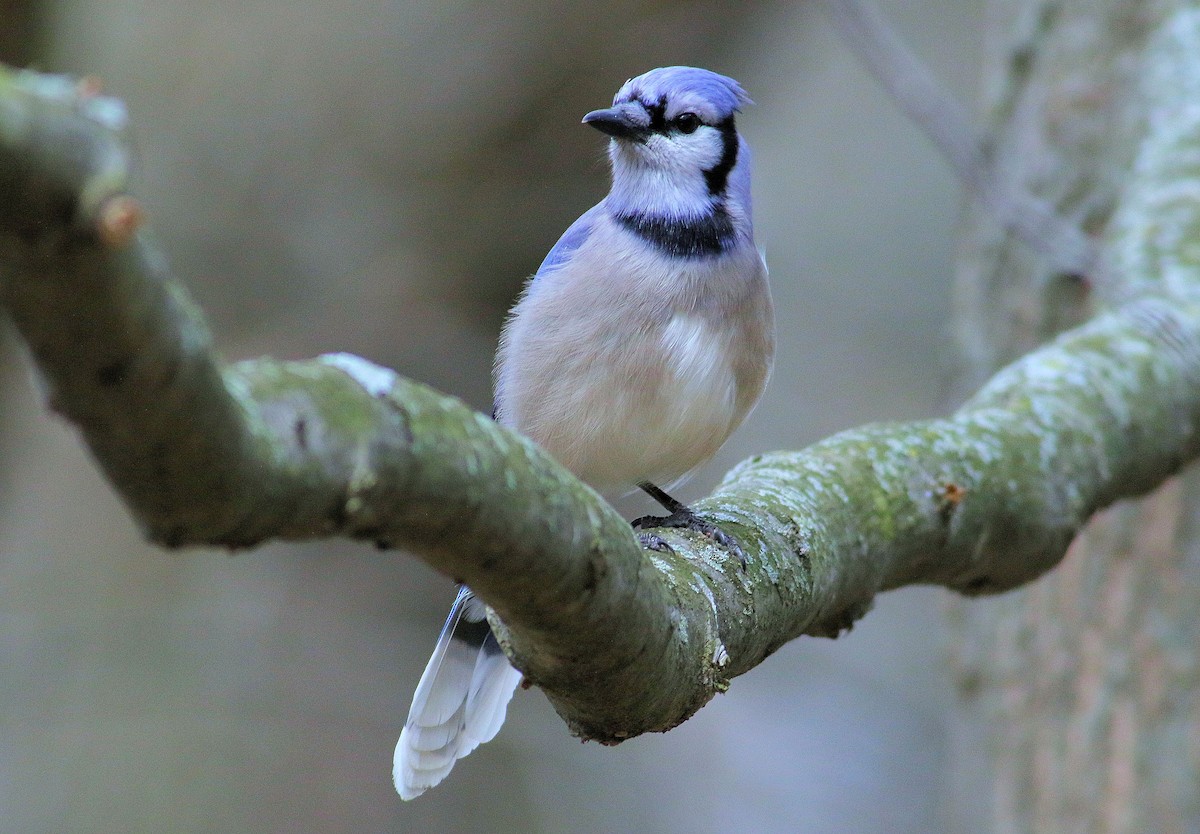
[
  {"x": 649, "y": 541},
  {"x": 684, "y": 518}
]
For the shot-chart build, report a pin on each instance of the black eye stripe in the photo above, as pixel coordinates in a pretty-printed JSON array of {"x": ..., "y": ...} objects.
[
  {"x": 686, "y": 122},
  {"x": 717, "y": 177},
  {"x": 658, "y": 115}
]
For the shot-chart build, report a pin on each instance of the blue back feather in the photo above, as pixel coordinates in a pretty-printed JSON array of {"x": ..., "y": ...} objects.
[{"x": 574, "y": 237}]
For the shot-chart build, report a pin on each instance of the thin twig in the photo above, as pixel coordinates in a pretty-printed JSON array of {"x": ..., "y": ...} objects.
[{"x": 938, "y": 114}]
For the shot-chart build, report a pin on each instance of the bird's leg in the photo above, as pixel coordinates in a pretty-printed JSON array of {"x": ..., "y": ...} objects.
[{"x": 680, "y": 516}]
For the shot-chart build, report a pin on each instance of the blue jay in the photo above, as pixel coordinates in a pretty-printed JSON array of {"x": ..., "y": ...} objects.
[{"x": 642, "y": 342}]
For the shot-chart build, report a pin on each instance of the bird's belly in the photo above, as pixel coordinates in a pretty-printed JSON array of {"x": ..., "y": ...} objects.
[{"x": 652, "y": 409}]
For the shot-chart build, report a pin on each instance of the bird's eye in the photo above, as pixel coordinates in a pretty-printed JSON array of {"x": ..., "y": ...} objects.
[{"x": 687, "y": 122}]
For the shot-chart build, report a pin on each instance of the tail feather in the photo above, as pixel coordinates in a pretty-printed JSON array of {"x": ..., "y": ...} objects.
[
  {"x": 425, "y": 762},
  {"x": 460, "y": 701},
  {"x": 430, "y": 739},
  {"x": 492, "y": 686}
]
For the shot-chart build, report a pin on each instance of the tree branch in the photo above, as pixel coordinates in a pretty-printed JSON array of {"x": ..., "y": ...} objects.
[
  {"x": 622, "y": 641},
  {"x": 935, "y": 111}
]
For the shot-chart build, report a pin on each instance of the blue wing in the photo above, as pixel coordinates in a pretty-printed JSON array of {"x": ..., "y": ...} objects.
[{"x": 574, "y": 237}]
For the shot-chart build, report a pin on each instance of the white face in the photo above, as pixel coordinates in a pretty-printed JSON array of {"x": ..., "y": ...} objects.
[
  {"x": 676, "y": 151},
  {"x": 665, "y": 173}
]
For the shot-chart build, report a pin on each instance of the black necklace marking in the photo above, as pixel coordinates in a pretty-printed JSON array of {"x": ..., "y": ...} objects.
[{"x": 694, "y": 237}]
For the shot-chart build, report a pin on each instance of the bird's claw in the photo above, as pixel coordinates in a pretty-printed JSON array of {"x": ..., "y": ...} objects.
[
  {"x": 650, "y": 541},
  {"x": 687, "y": 520}
]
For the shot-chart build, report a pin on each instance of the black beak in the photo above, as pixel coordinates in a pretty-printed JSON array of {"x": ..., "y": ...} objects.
[{"x": 618, "y": 123}]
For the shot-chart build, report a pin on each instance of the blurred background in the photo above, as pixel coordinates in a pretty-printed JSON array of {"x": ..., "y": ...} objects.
[{"x": 379, "y": 176}]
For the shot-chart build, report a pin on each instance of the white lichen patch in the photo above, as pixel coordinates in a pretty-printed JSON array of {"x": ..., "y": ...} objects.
[
  {"x": 363, "y": 479},
  {"x": 107, "y": 111},
  {"x": 720, "y": 655},
  {"x": 376, "y": 380},
  {"x": 660, "y": 565}
]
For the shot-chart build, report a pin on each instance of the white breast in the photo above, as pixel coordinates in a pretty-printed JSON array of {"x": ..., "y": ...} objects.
[
  {"x": 622, "y": 379},
  {"x": 701, "y": 385}
]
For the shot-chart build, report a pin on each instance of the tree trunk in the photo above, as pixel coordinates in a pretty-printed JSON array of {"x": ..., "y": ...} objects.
[{"x": 1079, "y": 698}]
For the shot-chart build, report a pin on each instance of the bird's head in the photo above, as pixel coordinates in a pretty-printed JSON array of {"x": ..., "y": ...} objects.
[{"x": 674, "y": 140}]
